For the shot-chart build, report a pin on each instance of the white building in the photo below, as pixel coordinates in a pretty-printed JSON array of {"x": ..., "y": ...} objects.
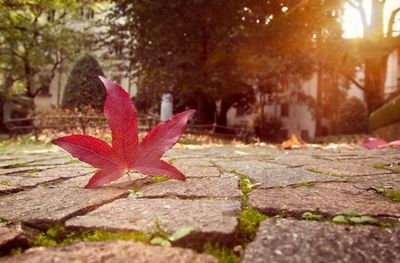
[{"x": 298, "y": 119}]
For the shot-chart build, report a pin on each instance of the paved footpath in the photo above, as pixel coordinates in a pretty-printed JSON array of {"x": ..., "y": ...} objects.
[{"x": 315, "y": 205}]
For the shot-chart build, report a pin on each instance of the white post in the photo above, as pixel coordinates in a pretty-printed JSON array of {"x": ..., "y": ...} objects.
[{"x": 166, "y": 107}]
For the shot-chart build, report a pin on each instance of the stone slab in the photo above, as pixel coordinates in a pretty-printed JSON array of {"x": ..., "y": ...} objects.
[
  {"x": 42, "y": 207},
  {"x": 329, "y": 198},
  {"x": 310, "y": 241},
  {"x": 196, "y": 168},
  {"x": 215, "y": 220},
  {"x": 246, "y": 167},
  {"x": 279, "y": 177},
  {"x": 17, "y": 181},
  {"x": 224, "y": 186},
  {"x": 386, "y": 181},
  {"x": 345, "y": 169},
  {"x": 113, "y": 252},
  {"x": 11, "y": 236},
  {"x": 23, "y": 169},
  {"x": 296, "y": 160}
]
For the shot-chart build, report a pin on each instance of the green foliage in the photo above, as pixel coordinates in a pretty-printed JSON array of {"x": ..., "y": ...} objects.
[
  {"x": 222, "y": 254},
  {"x": 352, "y": 117},
  {"x": 246, "y": 185},
  {"x": 35, "y": 42},
  {"x": 160, "y": 237},
  {"x": 354, "y": 219},
  {"x": 84, "y": 88},
  {"x": 203, "y": 51},
  {"x": 312, "y": 216},
  {"x": 248, "y": 223}
]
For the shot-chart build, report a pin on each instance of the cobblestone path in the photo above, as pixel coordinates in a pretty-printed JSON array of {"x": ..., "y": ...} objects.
[{"x": 243, "y": 204}]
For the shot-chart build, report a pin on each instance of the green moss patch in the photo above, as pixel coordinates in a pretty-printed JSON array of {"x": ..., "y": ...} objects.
[
  {"x": 34, "y": 170},
  {"x": 319, "y": 171},
  {"x": 5, "y": 183},
  {"x": 73, "y": 161},
  {"x": 222, "y": 254},
  {"x": 392, "y": 195},
  {"x": 16, "y": 165},
  {"x": 249, "y": 221},
  {"x": 56, "y": 236},
  {"x": 159, "y": 179}
]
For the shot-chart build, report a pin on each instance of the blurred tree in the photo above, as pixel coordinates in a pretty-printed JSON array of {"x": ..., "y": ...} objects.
[
  {"x": 84, "y": 88},
  {"x": 373, "y": 49},
  {"x": 352, "y": 117},
  {"x": 34, "y": 42},
  {"x": 228, "y": 51}
]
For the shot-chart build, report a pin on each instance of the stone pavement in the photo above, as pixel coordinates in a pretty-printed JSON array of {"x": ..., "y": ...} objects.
[{"x": 320, "y": 205}]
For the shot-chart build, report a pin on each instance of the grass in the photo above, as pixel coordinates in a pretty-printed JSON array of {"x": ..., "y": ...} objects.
[
  {"x": 56, "y": 236},
  {"x": 222, "y": 254}
]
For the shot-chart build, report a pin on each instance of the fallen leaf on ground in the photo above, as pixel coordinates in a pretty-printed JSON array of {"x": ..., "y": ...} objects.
[
  {"x": 291, "y": 144},
  {"x": 375, "y": 143},
  {"x": 126, "y": 153}
]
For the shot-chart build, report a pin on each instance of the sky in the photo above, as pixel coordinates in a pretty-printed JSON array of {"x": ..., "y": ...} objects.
[{"x": 352, "y": 22}]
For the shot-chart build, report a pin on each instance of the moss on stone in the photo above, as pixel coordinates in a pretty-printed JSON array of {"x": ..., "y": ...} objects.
[
  {"x": 159, "y": 179},
  {"x": 73, "y": 161},
  {"x": 249, "y": 221},
  {"x": 245, "y": 184},
  {"x": 16, "y": 251},
  {"x": 222, "y": 254},
  {"x": 306, "y": 184},
  {"x": 316, "y": 170},
  {"x": 392, "y": 195},
  {"x": 5, "y": 183},
  {"x": 379, "y": 166},
  {"x": 312, "y": 215},
  {"x": 16, "y": 165},
  {"x": 56, "y": 236},
  {"x": 34, "y": 170}
]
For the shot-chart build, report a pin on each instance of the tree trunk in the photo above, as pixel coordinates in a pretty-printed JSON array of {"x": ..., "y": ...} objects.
[
  {"x": 375, "y": 75},
  {"x": 375, "y": 68},
  {"x": 318, "y": 107},
  {"x": 221, "y": 118}
]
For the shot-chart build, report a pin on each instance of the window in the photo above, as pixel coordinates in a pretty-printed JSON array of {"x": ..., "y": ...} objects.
[
  {"x": 285, "y": 110},
  {"x": 51, "y": 15}
]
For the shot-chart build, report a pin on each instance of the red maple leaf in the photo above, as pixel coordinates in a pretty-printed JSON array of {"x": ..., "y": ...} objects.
[{"x": 126, "y": 153}]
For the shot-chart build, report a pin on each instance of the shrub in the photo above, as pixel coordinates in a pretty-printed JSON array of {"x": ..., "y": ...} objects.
[
  {"x": 352, "y": 117},
  {"x": 269, "y": 129},
  {"x": 83, "y": 86}
]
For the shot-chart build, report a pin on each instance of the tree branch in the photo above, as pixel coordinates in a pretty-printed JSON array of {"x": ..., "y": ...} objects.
[
  {"x": 392, "y": 21},
  {"x": 353, "y": 80}
]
